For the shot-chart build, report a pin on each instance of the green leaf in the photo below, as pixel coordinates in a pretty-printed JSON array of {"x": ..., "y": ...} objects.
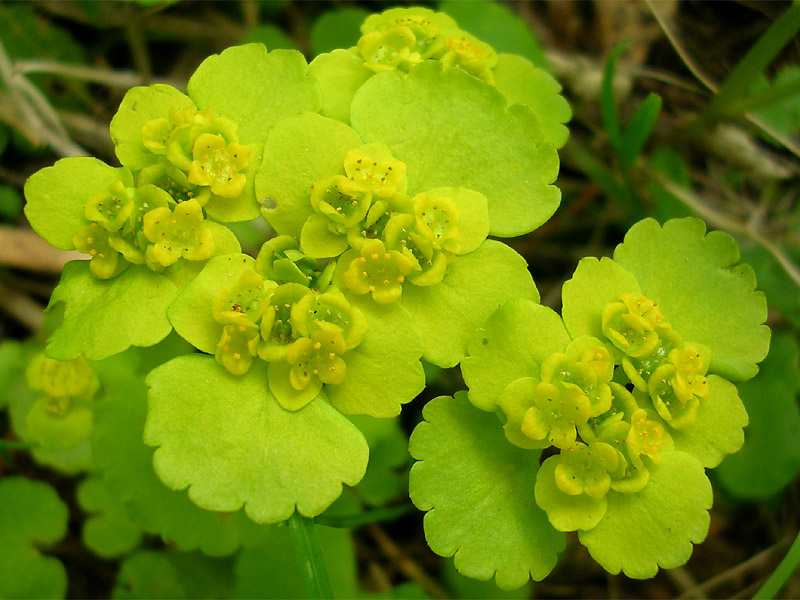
[
  {"x": 638, "y": 130},
  {"x": 339, "y": 74},
  {"x": 140, "y": 105},
  {"x": 770, "y": 457},
  {"x": 475, "y": 285},
  {"x": 473, "y": 589},
  {"x": 254, "y": 89},
  {"x": 493, "y": 23},
  {"x": 479, "y": 493},
  {"x": 655, "y": 527},
  {"x": 523, "y": 83},
  {"x": 719, "y": 429},
  {"x": 127, "y": 468},
  {"x": 170, "y": 574},
  {"x": 191, "y": 314},
  {"x": 608, "y": 109},
  {"x": 108, "y": 532},
  {"x": 512, "y": 343},
  {"x": 57, "y": 432},
  {"x": 702, "y": 289},
  {"x": 271, "y": 570},
  {"x": 31, "y": 515},
  {"x": 274, "y": 459},
  {"x": 105, "y": 317},
  {"x": 383, "y": 371},
  {"x": 56, "y": 196},
  {"x": 337, "y": 28},
  {"x": 451, "y": 129},
  {"x": 594, "y": 284},
  {"x": 299, "y": 152}
]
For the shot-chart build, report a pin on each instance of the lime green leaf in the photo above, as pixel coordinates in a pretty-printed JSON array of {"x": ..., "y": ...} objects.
[
  {"x": 150, "y": 574},
  {"x": 109, "y": 532},
  {"x": 299, "y": 152},
  {"x": 655, "y": 527},
  {"x": 56, "y": 196},
  {"x": 339, "y": 74},
  {"x": 388, "y": 454},
  {"x": 274, "y": 459},
  {"x": 140, "y": 105},
  {"x": 127, "y": 468},
  {"x": 104, "y": 317},
  {"x": 451, "y": 129},
  {"x": 337, "y": 28},
  {"x": 493, "y": 23},
  {"x": 475, "y": 285},
  {"x": 513, "y": 343},
  {"x": 719, "y": 429},
  {"x": 31, "y": 514},
  {"x": 594, "y": 284},
  {"x": 271, "y": 570},
  {"x": 13, "y": 361},
  {"x": 702, "y": 290},
  {"x": 565, "y": 512},
  {"x": 383, "y": 371},
  {"x": 523, "y": 83},
  {"x": 638, "y": 130},
  {"x": 254, "y": 89},
  {"x": 770, "y": 457},
  {"x": 479, "y": 491},
  {"x": 191, "y": 314}
]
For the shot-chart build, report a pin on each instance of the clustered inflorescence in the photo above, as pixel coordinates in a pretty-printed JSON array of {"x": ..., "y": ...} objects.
[{"x": 381, "y": 193}]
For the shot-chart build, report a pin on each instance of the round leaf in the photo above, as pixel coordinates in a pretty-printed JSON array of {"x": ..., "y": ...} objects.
[
  {"x": 452, "y": 129},
  {"x": 383, "y": 371},
  {"x": 479, "y": 493},
  {"x": 513, "y": 343},
  {"x": 594, "y": 284},
  {"x": 254, "y": 89},
  {"x": 475, "y": 285},
  {"x": 655, "y": 527},
  {"x": 56, "y": 196},
  {"x": 299, "y": 152},
  {"x": 105, "y": 317},
  {"x": 273, "y": 459},
  {"x": 703, "y": 291}
]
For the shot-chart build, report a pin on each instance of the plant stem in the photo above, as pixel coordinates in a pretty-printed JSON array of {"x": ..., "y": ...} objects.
[
  {"x": 309, "y": 556},
  {"x": 365, "y": 518},
  {"x": 780, "y": 575}
]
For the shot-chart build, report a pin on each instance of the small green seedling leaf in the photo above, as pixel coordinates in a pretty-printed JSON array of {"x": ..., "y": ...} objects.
[
  {"x": 109, "y": 532},
  {"x": 608, "y": 109},
  {"x": 31, "y": 515},
  {"x": 638, "y": 130},
  {"x": 337, "y": 28}
]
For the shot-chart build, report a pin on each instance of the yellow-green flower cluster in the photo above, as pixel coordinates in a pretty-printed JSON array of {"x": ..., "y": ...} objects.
[
  {"x": 384, "y": 236},
  {"x": 400, "y": 38},
  {"x": 610, "y": 425},
  {"x": 303, "y": 334}
]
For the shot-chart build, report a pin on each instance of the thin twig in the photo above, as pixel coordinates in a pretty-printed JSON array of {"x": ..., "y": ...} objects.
[
  {"x": 107, "y": 77},
  {"x": 721, "y": 221},
  {"x": 25, "y": 310},
  {"x": 408, "y": 567},
  {"x": 751, "y": 564},
  {"x": 23, "y": 249}
]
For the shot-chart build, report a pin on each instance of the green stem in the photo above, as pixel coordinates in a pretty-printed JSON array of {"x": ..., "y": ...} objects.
[
  {"x": 8, "y": 445},
  {"x": 371, "y": 516},
  {"x": 780, "y": 575},
  {"x": 309, "y": 556}
]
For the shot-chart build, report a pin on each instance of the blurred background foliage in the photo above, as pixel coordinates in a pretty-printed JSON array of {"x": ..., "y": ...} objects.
[{"x": 680, "y": 107}]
